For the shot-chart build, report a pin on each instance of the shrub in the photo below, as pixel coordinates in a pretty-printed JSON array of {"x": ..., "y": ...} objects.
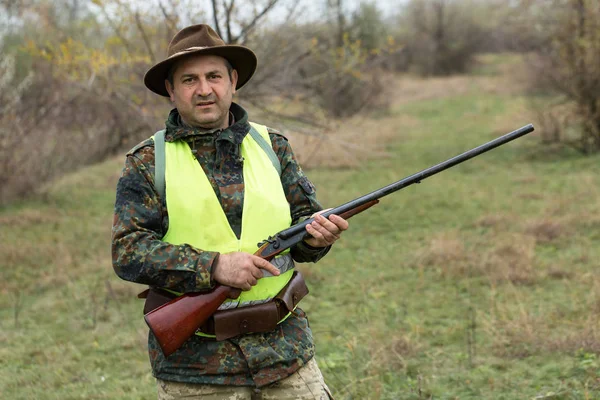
[
  {"x": 304, "y": 64},
  {"x": 441, "y": 37},
  {"x": 567, "y": 68}
]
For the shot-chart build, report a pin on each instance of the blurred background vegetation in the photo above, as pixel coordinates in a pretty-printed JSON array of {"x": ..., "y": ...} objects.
[
  {"x": 71, "y": 90},
  {"x": 481, "y": 283}
]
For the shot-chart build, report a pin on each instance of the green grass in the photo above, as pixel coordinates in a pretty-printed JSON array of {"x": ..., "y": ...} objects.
[{"x": 479, "y": 283}]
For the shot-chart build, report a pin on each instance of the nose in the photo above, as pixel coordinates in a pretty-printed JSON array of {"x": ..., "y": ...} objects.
[{"x": 203, "y": 89}]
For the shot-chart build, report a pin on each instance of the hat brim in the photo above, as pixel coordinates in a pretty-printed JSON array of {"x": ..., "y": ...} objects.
[{"x": 242, "y": 59}]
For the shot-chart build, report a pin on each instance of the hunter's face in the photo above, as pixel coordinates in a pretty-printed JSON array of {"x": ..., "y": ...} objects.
[{"x": 202, "y": 91}]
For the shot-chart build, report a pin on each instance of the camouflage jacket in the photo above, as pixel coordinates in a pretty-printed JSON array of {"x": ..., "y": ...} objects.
[{"x": 139, "y": 255}]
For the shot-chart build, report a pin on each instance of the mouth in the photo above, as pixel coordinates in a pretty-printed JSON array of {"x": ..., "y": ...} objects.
[{"x": 205, "y": 104}]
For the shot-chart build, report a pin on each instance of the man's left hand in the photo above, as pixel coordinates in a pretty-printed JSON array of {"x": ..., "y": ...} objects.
[{"x": 325, "y": 231}]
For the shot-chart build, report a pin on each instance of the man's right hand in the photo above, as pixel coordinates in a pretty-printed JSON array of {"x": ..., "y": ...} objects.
[{"x": 241, "y": 270}]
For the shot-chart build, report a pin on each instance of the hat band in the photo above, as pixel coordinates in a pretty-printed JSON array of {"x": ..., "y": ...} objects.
[{"x": 188, "y": 50}]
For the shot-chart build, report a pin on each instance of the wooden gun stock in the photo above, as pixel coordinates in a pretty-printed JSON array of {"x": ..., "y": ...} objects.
[{"x": 176, "y": 321}]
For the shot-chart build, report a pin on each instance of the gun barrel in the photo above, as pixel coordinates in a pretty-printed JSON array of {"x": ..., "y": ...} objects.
[{"x": 415, "y": 178}]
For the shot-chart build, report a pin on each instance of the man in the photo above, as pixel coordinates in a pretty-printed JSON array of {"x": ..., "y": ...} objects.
[{"x": 222, "y": 194}]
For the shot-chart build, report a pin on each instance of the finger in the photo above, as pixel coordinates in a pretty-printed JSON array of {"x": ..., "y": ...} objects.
[
  {"x": 252, "y": 280},
  {"x": 340, "y": 222},
  {"x": 264, "y": 264},
  {"x": 327, "y": 224},
  {"x": 245, "y": 286},
  {"x": 329, "y": 233},
  {"x": 256, "y": 273},
  {"x": 312, "y": 231},
  {"x": 318, "y": 237}
]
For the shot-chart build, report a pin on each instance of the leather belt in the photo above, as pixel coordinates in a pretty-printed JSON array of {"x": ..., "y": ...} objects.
[{"x": 258, "y": 318}]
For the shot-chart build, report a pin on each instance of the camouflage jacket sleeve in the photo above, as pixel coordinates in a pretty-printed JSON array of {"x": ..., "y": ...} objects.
[
  {"x": 138, "y": 253},
  {"x": 300, "y": 193}
]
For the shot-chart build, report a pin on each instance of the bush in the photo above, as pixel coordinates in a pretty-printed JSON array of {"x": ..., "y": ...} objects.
[
  {"x": 49, "y": 126},
  {"x": 567, "y": 67},
  {"x": 441, "y": 37},
  {"x": 303, "y": 64},
  {"x": 66, "y": 113}
]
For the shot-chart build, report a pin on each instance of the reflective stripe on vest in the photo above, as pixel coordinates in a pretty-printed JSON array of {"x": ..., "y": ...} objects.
[{"x": 197, "y": 218}]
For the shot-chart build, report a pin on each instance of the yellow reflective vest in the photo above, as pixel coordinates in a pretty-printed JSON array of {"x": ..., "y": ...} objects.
[{"x": 197, "y": 218}]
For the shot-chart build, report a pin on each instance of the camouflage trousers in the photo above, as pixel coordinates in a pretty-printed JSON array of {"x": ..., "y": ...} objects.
[{"x": 305, "y": 384}]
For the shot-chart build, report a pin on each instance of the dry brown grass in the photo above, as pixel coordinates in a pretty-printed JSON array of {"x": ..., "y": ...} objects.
[
  {"x": 587, "y": 340},
  {"x": 50, "y": 261},
  {"x": 411, "y": 88},
  {"x": 547, "y": 230},
  {"x": 29, "y": 217},
  {"x": 506, "y": 254},
  {"x": 522, "y": 335},
  {"x": 519, "y": 338},
  {"x": 559, "y": 272},
  {"x": 344, "y": 144},
  {"x": 511, "y": 259},
  {"x": 520, "y": 115},
  {"x": 335, "y": 149},
  {"x": 514, "y": 330},
  {"x": 519, "y": 330},
  {"x": 586, "y": 221},
  {"x": 496, "y": 221},
  {"x": 120, "y": 290},
  {"x": 530, "y": 196},
  {"x": 310, "y": 273},
  {"x": 396, "y": 351},
  {"x": 389, "y": 353},
  {"x": 408, "y": 88},
  {"x": 447, "y": 252}
]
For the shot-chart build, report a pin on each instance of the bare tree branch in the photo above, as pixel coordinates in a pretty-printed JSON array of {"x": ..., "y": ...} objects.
[
  {"x": 228, "y": 10},
  {"x": 216, "y": 17},
  {"x": 140, "y": 26},
  {"x": 117, "y": 30},
  {"x": 254, "y": 21},
  {"x": 171, "y": 25},
  {"x": 311, "y": 122}
]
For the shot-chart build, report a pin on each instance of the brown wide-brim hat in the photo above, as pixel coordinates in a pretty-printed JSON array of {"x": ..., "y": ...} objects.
[{"x": 200, "y": 39}]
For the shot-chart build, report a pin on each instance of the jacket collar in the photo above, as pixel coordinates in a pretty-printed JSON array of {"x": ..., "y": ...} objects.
[
  {"x": 177, "y": 130},
  {"x": 227, "y": 141}
]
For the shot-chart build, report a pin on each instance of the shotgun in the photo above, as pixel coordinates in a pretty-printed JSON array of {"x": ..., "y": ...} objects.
[{"x": 175, "y": 322}]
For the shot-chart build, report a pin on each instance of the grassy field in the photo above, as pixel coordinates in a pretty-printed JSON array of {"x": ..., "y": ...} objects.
[{"x": 480, "y": 283}]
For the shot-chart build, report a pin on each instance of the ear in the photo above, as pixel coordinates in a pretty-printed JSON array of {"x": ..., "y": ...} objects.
[
  {"x": 170, "y": 89},
  {"x": 234, "y": 79}
]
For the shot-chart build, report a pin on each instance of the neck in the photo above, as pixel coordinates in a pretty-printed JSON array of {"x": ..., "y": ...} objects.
[{"x": 230, "y": 121}]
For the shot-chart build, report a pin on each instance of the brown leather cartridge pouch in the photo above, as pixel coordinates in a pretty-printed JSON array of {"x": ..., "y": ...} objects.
[
  {"x": 258, "y": 318},
  {"x": 261, "y": 317},
  {"x": 155, "y": 298}
]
